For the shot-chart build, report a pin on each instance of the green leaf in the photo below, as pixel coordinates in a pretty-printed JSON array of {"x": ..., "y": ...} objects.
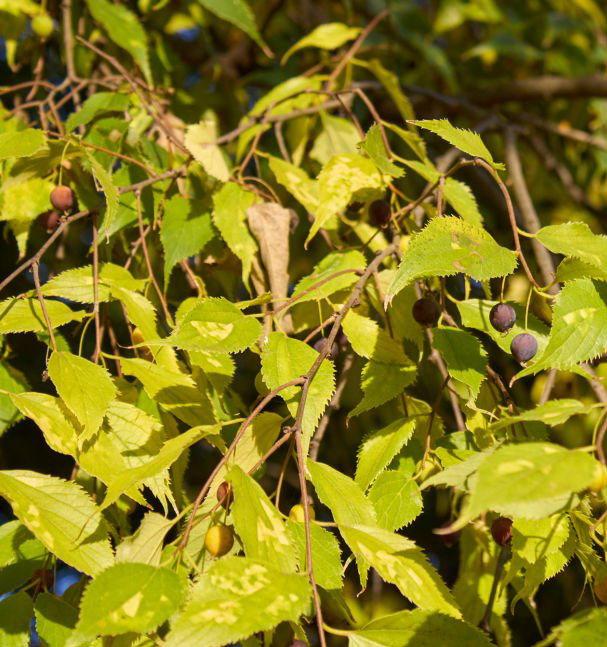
[
  {"x": 259, "y": 524},
  {"x": 343, "y": 496},
  {"x": 390, "y": 81},
  {"x": 21, "y": 143},
  {"x": 145, "y": 544},
  {"x": 448, "y": 245},
  {"x": 296, "y": 182},
  {"x": 97, "y": 104},
  {"x": 183, "y": 234},
  {"x": 239, "y": 14},
  {"x": 235, "y": 598},
  {"x": 13, "y": 381},
  {"x": 552, "y": 413},
  {"x": 570, "y": 269},
  {"x": 380, "y": 447},
  {"x": 104, "y": 177},
  {"x": 200, "y": 141},
  {"x": 587, "y": 627},
  {"x": 344, "y": 178},
  {"x": 417, "y": 628},
  {"x": 464, "y": 355},
  {"x": 529, "y": 480},
  {"x": 373, "y": 145},
  {"x": 370, "y": 341},
  {"x": 331, "y": 264},
  {"x": 61, "y": 515},
  {"x": 575, "y": 239},
  {"x": 215, "y": 325},
  {"x": 381, "y": 383},
  {"x": 579, "y": 327},
  {"x": 534, "y": 539},
  {"x": 465, "y": 140},
  {"x": 326, "y": 554},
  {"x": 86, "y": 388},
  {"x": 457, "y": 475},
  {"x": 15, "y": 613},
  {"x": 396, "y": 498},
  {"x": 55, "y": 619},
  {"x": 21, "y": 554},
  {"x": 25, "y": 201},
  {"x": 25, "y": 315},
  {"x": 328, "y": 36},
  {"x": 229, "y": 215},
  {"x": 128, "y": 597},
  {"x": 338, "y": 135},
  {"x": 124, "y": 29},
  {"x": 399, "y": 561},
  {"x": 284, "y": 359}
]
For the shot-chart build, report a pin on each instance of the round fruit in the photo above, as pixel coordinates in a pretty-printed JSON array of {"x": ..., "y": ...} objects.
[
  {"x": 523, "y": 347},
  {"x": 379, "y": 213},
  {"x": 502, "y": 317},
  {"x": 297, "y": 513},
  {"x": 137, "y": 337},
  {"x": 600, "y": 589},
  {"x": 49, "y": 220},
  {"x": 224, "y": 494},
  {"x": 426, "y": 312},
  {"x": 62, "y": 198},
  {"x": 599, "y": 478},
  {"x": 219, "y": 540},
  {"x": 501, "y": 530},
  {"x": 43, "y": 25},
  {"x": 354, "y": 207}
]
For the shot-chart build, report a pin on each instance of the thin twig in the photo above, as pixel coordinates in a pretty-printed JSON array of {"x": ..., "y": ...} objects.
[
  {"x": 96, "y": 292},
  {"x": 49, "y": 326}
]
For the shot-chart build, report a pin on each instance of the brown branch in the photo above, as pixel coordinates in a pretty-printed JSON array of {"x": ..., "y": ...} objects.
[{"x": 47, "y": 319}]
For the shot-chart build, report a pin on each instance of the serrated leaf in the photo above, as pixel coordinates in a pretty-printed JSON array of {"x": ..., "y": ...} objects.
[
  {"x": 343, "y": 496},
  {"x": 259, "y": 524},
  {"x": 62, "y": 516},
  {"x": 124, "y": 29},
  {"x": 417, "y": 628},
  {"x": 399, "y": 561},
  {"x": 396, "y": 498},
  {"x": 229, "y": 215},
  {"x": 381, "y": 383},
  {"x": 448, "y": 245},
  {"x": 21, "y": 554},
  {"x": 200, "y": 141},
  {"x": 145, "y": 544},
  {"x": 239, "y": 14},
  {"x": 215, "y": 325},
  {"x": 586, "y": 627},
  {"x": 55, "y": 619},
  {"x": 331, "y": 264},
  {"x": 338, "y": 135},
  {"x": 104, "y": 177},
  {"x": 98, "y": 103},
  {"x": 21, "y": 143},
  {"x": 296, "y": 182},
  {"x": 14, "y": 382},
  {"x": 326, "y": 554},
  {"x": 328, "y": 36},
  {"x": 235, "y": 598},
  {"x": 529, "y": 480},
  {"x": 552, "y": 413},
  {"x": 570, "y": 269},
  {"x": 575, "y": 239},
  {"x": 466, "y": 141},
  {"x": 284, "y": 359},
  {"x": 373, "y": 145},
  {"x": 127, "y": 597},
  {"x": 372, "y": 342},
  {"x": 25, "y": 315},
  {"x": 534, "y": 539},
  {"x": 579, "y": 327},
  {"x": 183, "y": 233},
  {"x": 344, "y": 178},
  {"x": 380, "y": 447},
  {"x": 23, "y": 202},
  {"x": 86, "y": 388},
  {"x": 15, "y": 613},
  {"x": 464, "y": 355}
]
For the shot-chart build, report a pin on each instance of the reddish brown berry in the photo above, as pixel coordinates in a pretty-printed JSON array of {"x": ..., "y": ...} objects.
[
  {"x": 49, "y": 220},
  {"x": 501, "y": 531},
  {"x": 426, "y": 312},
  {"x": 502, "y": 317},
  {"x": 379, "y": 213},
  {"x": 224, "y": 494},
  {"x": 523, "y": 347},
  {"x": 62, "y": 198}
]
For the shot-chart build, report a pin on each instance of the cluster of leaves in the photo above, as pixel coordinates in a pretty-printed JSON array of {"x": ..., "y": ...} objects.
[{"x": 218, "y": 308}]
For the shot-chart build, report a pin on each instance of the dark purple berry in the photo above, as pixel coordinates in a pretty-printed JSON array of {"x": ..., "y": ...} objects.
[
  {"x": 320, "y": 345},
  {"x": 49, "y": 220},
  {"x": 501, "y": 531},
  {"x": 354, "y": 207},
  {"x": 426, "y": 312},
  {"x": 523, "y": 347},
  {"x": 62, "y": 198},
  {"x": 224, "y": 494},
  {"x": 502, "y": 317},
  {"x": 379, "y": 213}
]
